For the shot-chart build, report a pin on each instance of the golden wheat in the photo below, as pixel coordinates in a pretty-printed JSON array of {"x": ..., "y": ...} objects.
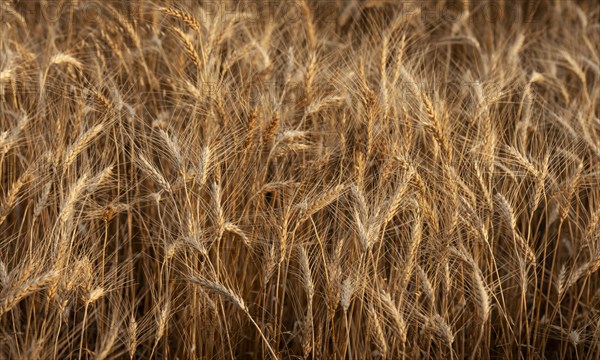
[{"x": 304, "y": 179}]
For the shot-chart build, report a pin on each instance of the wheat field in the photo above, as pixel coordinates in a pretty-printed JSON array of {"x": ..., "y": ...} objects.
[{"x": 339, "y": 179}]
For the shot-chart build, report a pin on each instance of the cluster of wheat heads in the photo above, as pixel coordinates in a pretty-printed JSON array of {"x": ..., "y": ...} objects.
[{"x": 324, "y": 180}]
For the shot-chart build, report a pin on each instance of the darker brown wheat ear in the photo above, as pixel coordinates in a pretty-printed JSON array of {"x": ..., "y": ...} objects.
[{"x": 187, "y": 18}]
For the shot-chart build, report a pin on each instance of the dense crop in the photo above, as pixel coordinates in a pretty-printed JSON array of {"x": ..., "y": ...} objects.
[{"x": 300, "y": 179}]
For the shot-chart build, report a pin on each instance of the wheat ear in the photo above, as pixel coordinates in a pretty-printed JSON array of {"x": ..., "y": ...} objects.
[
  {"x": 80, "y": 144},
  {"x": 12, "y": 297},
  {"x": 183, "y": 16},
  {"x": 234, "y": 299}
]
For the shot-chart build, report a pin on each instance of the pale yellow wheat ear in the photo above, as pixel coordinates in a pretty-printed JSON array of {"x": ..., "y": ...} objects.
[
  {"x": 204, "y": 164},
  {"x": 94, "y": 295},
  {"x": 86, "y": 183},
  {"x": 308, "y": 282},
  {"x": 232, "y": 228},
  {"x": 363, "y": 220},
  {"x": 269, "y": 265},
  {"x": 174, "y": 148},
  {"x": 11, "y": 297},
  {"x": 509, "y": 214},
  {"x": 223, "y": 291},
  {"x": 62, "y": 58},
  {"x": 219, "y": 214},
  {"x": 80, "y": 144},
  {"x": 311, "y": 206},
  {"x": 480, "y": 288},
  {"x": 132, "y": 335},
  {"x": 154, "y": 173},
  {"x": 57, "y": 59},
  {"x": 349, "y": 288},
  {"x": 413, "y": 248},
  {"x": 235, "y": 299},
  {"x": 42, "y": 200},
  {"x": 396, "y": 315},
  {"x": 376, "y": 331},
  {"x": 11, "y": 198},
  {"x": 435, "y": 126},
  {"x": 6, "y": 74},
  {"x": 426, "y": 284},
  {"x": 9, "y": 138},
  {"x": 442, "y": 328},
  {"x": 3, "y": 274},
  {"x": 162, "y": 317},
  {"x": 396, "y": 200},
  {"x": 592, "y": 265},
  {"x": 516, "y": 47},
  {"x": 111, "y": 44}
]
